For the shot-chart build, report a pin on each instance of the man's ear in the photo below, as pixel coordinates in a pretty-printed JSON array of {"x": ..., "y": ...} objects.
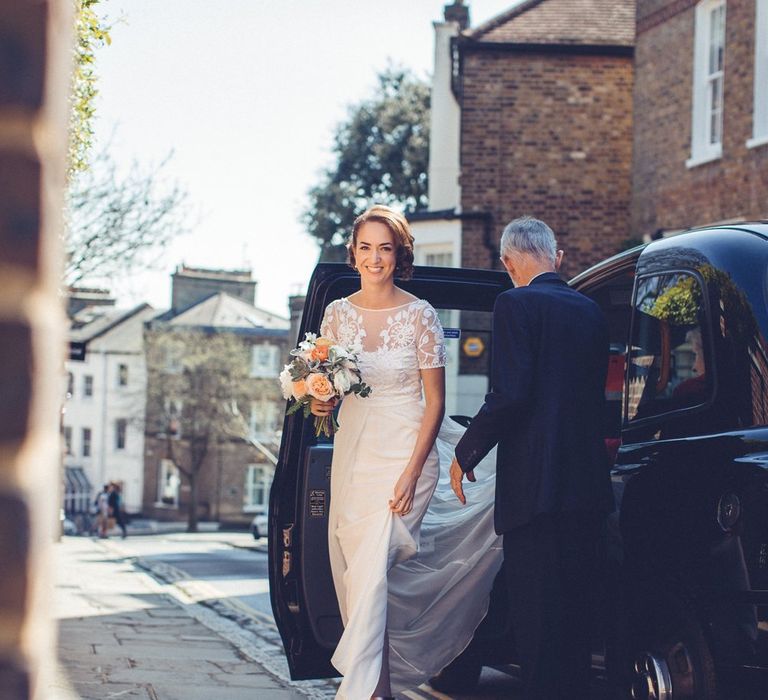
[
  {"x": 559, "y": 259},
  {"x": 508, "y": 266}
]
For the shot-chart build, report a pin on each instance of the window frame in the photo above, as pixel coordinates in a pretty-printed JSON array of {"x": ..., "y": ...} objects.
[
  {"x": 88, "y": 385},
  {"x": 68, "y": 437},
  {"x": 248, "y": 505},
  {"x": 121, "y": 422},
  {"x": 122, "y": 375},
  {"x": 173, "y": 410},
  {"x": 707, "y": 344},
  {"x": 760, "y": 78},
  {"x": 702, "y": 148},
  {"x": 161, "y": 477},
  {"x": 428, "y": 249},
  {"x": 86, "y": 441},
  {"x": 262, "y": 371},
  {"x": 272, "y": 407}
]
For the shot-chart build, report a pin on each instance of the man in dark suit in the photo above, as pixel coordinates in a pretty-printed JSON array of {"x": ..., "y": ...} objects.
[{"x": 545, "y": 411}]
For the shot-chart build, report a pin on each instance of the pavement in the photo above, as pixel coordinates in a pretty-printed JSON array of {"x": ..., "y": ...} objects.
[{"x": 131, "y": 632}]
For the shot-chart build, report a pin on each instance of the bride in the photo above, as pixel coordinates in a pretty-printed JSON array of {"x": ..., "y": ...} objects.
[{"x": 412, "y": 567}]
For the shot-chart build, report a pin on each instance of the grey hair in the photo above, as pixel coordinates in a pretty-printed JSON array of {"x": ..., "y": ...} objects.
[{"x": 531, "y": 236}]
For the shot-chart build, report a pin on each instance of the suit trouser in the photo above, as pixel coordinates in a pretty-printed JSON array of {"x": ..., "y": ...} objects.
[{"x": 552, "y": 567}]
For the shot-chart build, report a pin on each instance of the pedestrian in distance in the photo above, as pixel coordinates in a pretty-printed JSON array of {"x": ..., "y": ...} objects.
[
  {"x": 115, "y": 501},
  {"x": 102, "y": 512}
]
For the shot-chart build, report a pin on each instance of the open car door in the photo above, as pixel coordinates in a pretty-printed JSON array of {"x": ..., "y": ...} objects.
[{"x": 301, "y": 587}]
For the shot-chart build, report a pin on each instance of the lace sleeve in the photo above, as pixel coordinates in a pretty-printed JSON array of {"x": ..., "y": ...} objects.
[
  {"x": 430, "y": 342},
  {"x": 329, "y": 325}
]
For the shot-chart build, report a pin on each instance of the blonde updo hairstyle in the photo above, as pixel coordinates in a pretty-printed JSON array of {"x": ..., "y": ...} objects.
[{"x": 401, "y": 233}]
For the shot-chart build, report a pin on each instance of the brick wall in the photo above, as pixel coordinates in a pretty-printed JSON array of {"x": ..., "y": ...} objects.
[
  {"x": 34, "y": 63},
  {"x": 549, "y": 135},
  {"x": 667, "y": 194},
  {"x": 221, "y": 482}
]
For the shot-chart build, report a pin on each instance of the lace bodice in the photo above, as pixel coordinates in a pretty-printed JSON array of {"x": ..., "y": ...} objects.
[{"x": 394, "y": 344}]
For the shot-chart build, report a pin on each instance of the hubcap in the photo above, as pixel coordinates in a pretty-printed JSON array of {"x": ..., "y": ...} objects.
[{"x": 651, "y": 678}]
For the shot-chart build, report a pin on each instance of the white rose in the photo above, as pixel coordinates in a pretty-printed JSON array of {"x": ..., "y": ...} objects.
[
  {"x": 286, "y": 383},
  {"x": 342, "y": 380}
]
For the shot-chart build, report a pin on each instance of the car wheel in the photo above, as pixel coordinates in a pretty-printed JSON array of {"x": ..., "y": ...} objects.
[
  {"x": 657, "y": 651},
  {"x": 255, "y": 532}
]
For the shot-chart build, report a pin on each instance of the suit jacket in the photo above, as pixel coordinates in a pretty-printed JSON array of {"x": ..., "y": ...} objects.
[{"x": 546, "y": 407}]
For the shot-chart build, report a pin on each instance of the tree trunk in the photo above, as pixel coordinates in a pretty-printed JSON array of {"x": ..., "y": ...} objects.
[{"x": 192, "y": 512}]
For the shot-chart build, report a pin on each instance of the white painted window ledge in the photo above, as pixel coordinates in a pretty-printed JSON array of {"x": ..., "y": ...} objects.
[
  {"x": 701, "y": 160},
  {"x": 757, "y": 141}
]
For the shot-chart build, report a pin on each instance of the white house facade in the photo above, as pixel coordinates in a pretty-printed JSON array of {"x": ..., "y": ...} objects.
[{"x": 103, "y": 421}]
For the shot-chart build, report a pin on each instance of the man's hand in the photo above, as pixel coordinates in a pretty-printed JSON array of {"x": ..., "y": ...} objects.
[{"x": 457, "y": 476}]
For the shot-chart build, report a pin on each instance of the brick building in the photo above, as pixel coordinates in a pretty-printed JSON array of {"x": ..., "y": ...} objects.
[
  {"x": 700, "y": 113},
  {"x": 545, "y": 91},
  {"x": 237, "y": 470}
]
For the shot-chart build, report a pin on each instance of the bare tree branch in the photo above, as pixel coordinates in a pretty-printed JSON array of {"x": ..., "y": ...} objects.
[
  {"x": 117, "y": 223},
  {"x": 208, "y": 376}
]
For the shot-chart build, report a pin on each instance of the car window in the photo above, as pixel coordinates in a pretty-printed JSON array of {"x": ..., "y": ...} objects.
[
  {"x": 668, "y": 368},
  {"x": 614, "y": 297}
]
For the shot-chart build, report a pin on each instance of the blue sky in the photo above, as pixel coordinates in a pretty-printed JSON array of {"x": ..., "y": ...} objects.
[{"x": 246, "y": 93}]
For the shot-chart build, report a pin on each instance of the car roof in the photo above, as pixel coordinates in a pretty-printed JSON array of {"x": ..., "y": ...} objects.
[
  {"x": 729, "y": 247},
  {"x": 723, "y": 245}
]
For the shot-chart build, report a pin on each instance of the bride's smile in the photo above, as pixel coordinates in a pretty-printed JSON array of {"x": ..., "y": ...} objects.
[{"x": 375, "y": 254}]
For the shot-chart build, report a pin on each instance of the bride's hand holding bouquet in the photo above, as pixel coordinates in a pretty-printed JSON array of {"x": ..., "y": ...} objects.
[{"x": 320, "y": 374}]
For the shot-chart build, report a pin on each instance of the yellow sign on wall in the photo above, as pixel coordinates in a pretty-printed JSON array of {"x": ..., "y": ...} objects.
[{"x": 473, "y": 346}]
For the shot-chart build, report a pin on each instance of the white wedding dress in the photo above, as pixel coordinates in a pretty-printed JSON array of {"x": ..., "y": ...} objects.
[{"x": 424, "y": 578}]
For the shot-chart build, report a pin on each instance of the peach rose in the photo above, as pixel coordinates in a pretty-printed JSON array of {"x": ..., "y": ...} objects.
[
  {"x": 299, "y": 389},
  {"x": 319, "y": 387},
  {"x": 320, "y": 351}
]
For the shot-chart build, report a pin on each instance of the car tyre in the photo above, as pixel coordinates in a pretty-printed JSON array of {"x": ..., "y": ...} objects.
[
  {"x": 255, "y": 532},
  {"x": 656, "y": 650}
]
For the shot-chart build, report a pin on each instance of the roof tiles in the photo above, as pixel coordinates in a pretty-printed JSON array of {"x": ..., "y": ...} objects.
[{"x": 609, "y": 22}]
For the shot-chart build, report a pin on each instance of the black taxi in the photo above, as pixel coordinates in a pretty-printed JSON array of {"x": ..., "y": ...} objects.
[{"x": 685, "y": 591}]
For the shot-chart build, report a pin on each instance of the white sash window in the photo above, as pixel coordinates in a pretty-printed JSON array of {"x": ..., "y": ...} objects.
[
  {"x": 708, "y": 83},
  {"x": 265, "y": 360},
  {"x": 258, "y": 479},
  {"x": 760, "y": 111}
]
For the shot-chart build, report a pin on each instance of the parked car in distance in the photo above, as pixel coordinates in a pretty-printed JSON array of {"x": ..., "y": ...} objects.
[
  {"x": 258, "y": 526},
  {"x": 684, "y": 598}
]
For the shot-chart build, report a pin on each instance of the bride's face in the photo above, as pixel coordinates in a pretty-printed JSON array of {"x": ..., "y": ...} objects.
[{"x": 375, "y": 252}]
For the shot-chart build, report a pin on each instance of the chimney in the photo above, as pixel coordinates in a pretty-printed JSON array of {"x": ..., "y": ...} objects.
[
  {"x": 445, "y": 119},
  {"x": 459, "y": 13},
  {"x": 296, "y": 306}
]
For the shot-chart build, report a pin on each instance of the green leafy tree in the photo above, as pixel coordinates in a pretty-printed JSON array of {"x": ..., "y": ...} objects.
[
  {"x": 197, "y": 383},
  {"x": 382, "y": 156},
  {"x": 91, "y": 32}
]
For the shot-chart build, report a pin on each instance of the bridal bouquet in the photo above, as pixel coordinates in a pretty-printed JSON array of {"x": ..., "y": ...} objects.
[{"x": 321, "y": 370}]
